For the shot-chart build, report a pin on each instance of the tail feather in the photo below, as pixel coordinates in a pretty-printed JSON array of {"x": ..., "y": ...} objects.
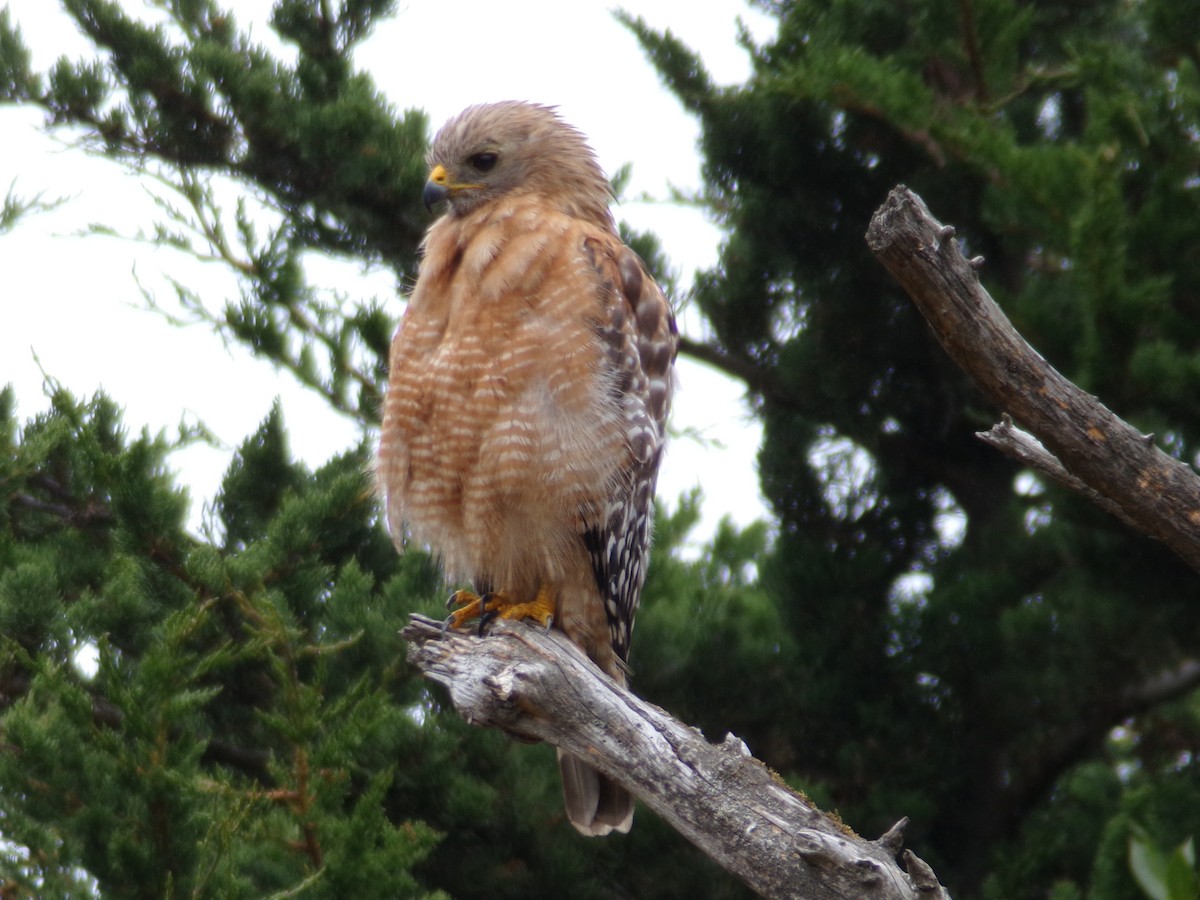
[{"x": 596, "y": 805}]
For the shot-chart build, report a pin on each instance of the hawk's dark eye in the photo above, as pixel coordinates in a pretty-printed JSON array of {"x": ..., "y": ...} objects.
[{"x": 484, "y": 161}]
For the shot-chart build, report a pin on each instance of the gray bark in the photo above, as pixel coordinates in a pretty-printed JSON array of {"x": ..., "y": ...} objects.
[
  {"x": 1084, "y": 444},
  {"x": 536, "y": 685}
]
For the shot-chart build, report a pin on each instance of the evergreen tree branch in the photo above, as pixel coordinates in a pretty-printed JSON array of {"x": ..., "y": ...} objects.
[
  {"x": 252, "y": 761},
  {"x": 760, "y": 379},
  {"x": 15, "y": 208},
  {"x": 970, "y": 34},
  {"x": 1156, "y": 494},
  {"x": 536, "y": 685},
  {"x": 1079, "y": 738},
  {"x": 1164, "y": 686}
]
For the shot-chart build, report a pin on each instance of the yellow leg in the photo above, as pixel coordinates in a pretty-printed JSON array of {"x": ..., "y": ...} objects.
[
  {"x": 470, "y": 606},
  {"x": 497, "y": 603}
]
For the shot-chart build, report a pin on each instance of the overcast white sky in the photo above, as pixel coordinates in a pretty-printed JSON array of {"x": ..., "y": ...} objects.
[{"x": 74, "y": 302}]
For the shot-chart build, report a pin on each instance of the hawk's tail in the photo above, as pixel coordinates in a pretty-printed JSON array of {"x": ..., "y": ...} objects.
[{"x": 596, "y": 804}]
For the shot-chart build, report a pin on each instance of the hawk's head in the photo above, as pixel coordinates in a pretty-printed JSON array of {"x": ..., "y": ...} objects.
[{"x": 501, "y": 149}]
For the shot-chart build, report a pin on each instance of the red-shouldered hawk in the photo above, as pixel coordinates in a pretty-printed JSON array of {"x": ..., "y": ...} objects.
[{"x": 529, "y": 386}]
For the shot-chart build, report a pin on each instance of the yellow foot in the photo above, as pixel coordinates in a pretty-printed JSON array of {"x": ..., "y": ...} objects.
[
  {"x": 469, "y": 606},
  {"x": 497, "y": 603},
  {"x": 540, "y": 608}
]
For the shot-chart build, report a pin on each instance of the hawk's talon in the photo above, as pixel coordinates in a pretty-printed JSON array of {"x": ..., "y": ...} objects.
[
  {"x": 498, "y": 604},
  {"x": 487, "y": 613},
  {"x": 469, "y": 605}
]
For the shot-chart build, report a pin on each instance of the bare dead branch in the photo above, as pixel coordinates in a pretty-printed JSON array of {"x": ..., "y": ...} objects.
[
  {"x": 537, "y": 685},
  {"x": 1156, "y": 494},
  {"x": 1025, "y": 448}
]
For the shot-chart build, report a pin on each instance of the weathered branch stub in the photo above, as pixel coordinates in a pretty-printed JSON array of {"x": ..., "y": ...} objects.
[{"x": 536, "y": 685}]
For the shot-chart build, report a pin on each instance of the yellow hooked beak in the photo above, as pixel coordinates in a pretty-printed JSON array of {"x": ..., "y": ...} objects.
[{"x": 439, "y": 187}]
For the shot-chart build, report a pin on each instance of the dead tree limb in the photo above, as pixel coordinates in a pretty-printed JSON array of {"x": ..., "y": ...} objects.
[
  {"x": 1025, "y": 448},
  {"x": 537, "y": 685},
  {"x": 1149, "y": 490}
]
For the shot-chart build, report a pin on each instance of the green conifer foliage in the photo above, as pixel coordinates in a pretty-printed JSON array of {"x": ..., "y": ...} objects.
[
  {"x": 927, "y": 632},
  {"x": 238, "y": 734},
  {"x": 964, "y": 638},
  {"x": 251, "y": 728}
]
